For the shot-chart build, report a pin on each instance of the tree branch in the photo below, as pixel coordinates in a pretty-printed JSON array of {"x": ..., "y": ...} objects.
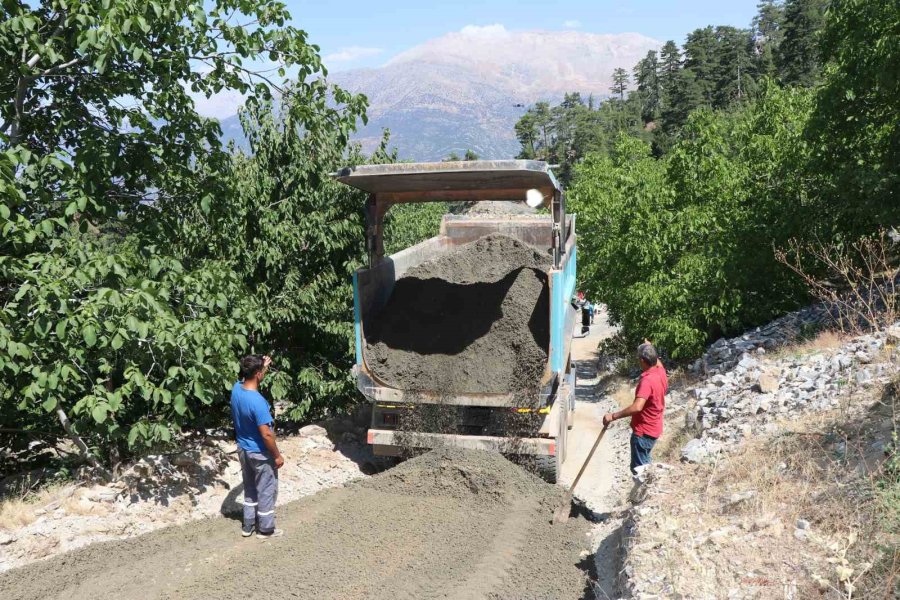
[
  {"x": 22, "y": 87},
  {"x": 79, "y": 443}
]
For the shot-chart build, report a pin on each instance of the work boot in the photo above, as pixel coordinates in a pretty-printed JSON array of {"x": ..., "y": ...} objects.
[
  {"x": 247, "y": 531},
  {"x": 271, "y": 534}
]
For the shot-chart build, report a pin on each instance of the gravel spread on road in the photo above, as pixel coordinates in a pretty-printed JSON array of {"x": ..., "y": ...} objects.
[{"x": 447, "y": 524}]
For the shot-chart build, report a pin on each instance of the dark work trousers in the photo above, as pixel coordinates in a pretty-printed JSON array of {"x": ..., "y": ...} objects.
[
  {"x": 260, "y": 490},
  {"x": 641, "y": 445}
]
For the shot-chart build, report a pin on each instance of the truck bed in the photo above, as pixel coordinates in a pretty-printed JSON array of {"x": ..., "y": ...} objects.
[{"x": 373, "y": 288}]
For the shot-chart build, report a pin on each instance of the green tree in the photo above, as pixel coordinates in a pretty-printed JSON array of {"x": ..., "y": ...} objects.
[
  {"x": 701, "y": 57},
  {"x": 767, "y": 33},
  {"x": 294, "y": 236},
  {"x": 799, "y": 59},
  {"x": 620, "y": 83},
  {"x": 536, "y": 133},
  {"x": 856, "y": 125},
  {"x": 109, "y": 331},
  {"x": 732, "y": 75},
  {"x": 452, "y": 157},
  {"x": 470, "y": 155},
  {"x": 526, "y": 134},
  {"x": 647, "y": 79},
  {"x": 408, "y": 224},
  {"x": 680, "y": 248},
  {"x": 669, "y": 68},
  {"x": 684, "y": 96}
]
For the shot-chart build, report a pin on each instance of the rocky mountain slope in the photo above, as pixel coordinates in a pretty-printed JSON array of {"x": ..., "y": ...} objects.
[{"x": 466, "y": 90}]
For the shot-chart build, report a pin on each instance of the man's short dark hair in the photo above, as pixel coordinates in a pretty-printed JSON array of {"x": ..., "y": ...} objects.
[
  {"x": 647, "y": 353},
  {"x": 250, "y": 366}
]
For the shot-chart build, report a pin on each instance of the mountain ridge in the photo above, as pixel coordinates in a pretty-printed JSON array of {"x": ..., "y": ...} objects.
[{"x": 466, "y": 89}]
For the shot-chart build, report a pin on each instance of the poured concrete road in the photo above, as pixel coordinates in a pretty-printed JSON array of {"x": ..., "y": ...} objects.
[
  {"x": 606, "y": 480},
  {"x": 590, "y": 406}
]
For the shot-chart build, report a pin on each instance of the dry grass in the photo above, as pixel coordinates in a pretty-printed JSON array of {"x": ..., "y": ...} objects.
[
  {"x": 623, "y": 394},
  {"x": 16, "y": 513},
  {"x": 22, "y": 510},
  {"x": 825, "y": 339},
  {"x": 825, "y": 470},
  {"x": 675, "y": 435}
]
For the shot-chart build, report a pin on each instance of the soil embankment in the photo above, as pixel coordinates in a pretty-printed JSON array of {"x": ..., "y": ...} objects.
[
  {"x": 448, "y": 524},
  {"x": 475, "y": 320}
]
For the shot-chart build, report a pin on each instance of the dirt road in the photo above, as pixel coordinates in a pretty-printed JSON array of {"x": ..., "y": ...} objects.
[
  {"x": 443, "y": 525},
  {"x": 606, "y": 480}
]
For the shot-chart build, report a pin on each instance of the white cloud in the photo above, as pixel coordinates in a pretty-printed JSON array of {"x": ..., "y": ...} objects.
[
  {"x": 351, "y": 53},
  {"x": 218, "y": 106},
  {"x": 484, "y": 30},
  {"x": 572, "y": 24}
]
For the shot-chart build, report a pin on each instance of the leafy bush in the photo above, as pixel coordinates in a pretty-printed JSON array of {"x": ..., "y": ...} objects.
[
  {"x": 130, "y": 345},
  {"x": 293, "y": 236},
  {"x": 681, "y": 248},
  {"x": 409, "y": 224}
]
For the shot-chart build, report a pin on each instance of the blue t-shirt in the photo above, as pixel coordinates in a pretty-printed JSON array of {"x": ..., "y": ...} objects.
[{"x": 249, "y": 410}]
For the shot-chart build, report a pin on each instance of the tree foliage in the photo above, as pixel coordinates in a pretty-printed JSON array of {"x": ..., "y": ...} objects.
[
  {"x": 856, "y": 126},
  {"x": 138, "y": 255},
  {"x": 293, "y": 236},
  {"x": 680, "y": 248},
  {"x": 718, "y": 67},
  {"x": 798, "y": 55}
]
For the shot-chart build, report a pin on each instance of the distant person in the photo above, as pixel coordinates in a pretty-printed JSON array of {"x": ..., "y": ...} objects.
[
  {"x": 585, "y": 318},
  {"x": 591, "y": 310},
  {"x": 647, "y": 410},
  {"x": 257, "y": 451}
]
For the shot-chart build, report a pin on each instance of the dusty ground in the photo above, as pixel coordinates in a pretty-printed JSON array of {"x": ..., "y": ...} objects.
[
  {"x": 606, "y": 482},
  {"x": 450, "y": 525},
  {"x": 807, "y": 507},
  {"x": 164, "y": 491}
]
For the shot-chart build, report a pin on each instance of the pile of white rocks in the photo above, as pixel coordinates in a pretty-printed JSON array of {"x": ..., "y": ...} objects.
[
  {"x": 726, "y": 353},
  {"x": 757, "y": 390}
]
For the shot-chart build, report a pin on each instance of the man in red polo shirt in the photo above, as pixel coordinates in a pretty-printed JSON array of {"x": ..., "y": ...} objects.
[{"x": 647, "y": 410}]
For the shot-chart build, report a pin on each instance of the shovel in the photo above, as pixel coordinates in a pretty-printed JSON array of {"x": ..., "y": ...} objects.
[{"x": 561, "y": 516}]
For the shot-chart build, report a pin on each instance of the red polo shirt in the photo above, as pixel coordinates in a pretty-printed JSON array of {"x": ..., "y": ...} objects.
[{"x": 652, "y": 388}]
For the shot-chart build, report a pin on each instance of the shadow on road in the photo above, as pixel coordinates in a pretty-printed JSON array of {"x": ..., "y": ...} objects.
[{"x": 231, "y": 508}]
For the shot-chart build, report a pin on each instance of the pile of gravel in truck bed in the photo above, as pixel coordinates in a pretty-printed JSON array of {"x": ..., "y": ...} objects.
[{"x": 474, "y": 320}]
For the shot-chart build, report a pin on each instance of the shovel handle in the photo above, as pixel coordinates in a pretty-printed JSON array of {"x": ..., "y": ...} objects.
[{"x": 587, "y": 460}]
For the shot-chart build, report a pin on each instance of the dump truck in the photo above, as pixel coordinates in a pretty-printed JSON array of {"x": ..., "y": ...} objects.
[{"x": 481, "y": 416}]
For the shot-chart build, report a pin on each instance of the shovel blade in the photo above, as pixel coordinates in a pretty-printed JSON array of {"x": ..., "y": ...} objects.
[{"x": 561, "y": 516}]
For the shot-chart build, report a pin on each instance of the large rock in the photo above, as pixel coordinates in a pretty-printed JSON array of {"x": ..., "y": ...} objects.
[
  {"x": 700, "y": 451},
  {"x": 767, "y": 383},
  {"x": 313, "y": 431},
  {"x": 102, "y": 493},
  {"x": 893, "y": 335}
]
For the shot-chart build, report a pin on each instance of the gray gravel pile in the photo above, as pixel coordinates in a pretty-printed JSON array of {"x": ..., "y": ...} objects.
[
  {"x": 475, "y": 320},
  {"x": 448, "y": 524}
]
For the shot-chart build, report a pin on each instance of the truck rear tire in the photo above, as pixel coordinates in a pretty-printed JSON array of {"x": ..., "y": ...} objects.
[{"x": 546, "y": 468}]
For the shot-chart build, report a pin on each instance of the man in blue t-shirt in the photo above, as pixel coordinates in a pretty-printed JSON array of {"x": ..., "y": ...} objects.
[{"x": 257, "y": 451}]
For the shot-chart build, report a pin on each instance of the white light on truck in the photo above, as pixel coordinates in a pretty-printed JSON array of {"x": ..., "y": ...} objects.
[{"x": 534, "y": 198}]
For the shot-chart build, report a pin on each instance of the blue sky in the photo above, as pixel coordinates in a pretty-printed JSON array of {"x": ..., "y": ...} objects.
[{"x": 353, "y": 33}]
